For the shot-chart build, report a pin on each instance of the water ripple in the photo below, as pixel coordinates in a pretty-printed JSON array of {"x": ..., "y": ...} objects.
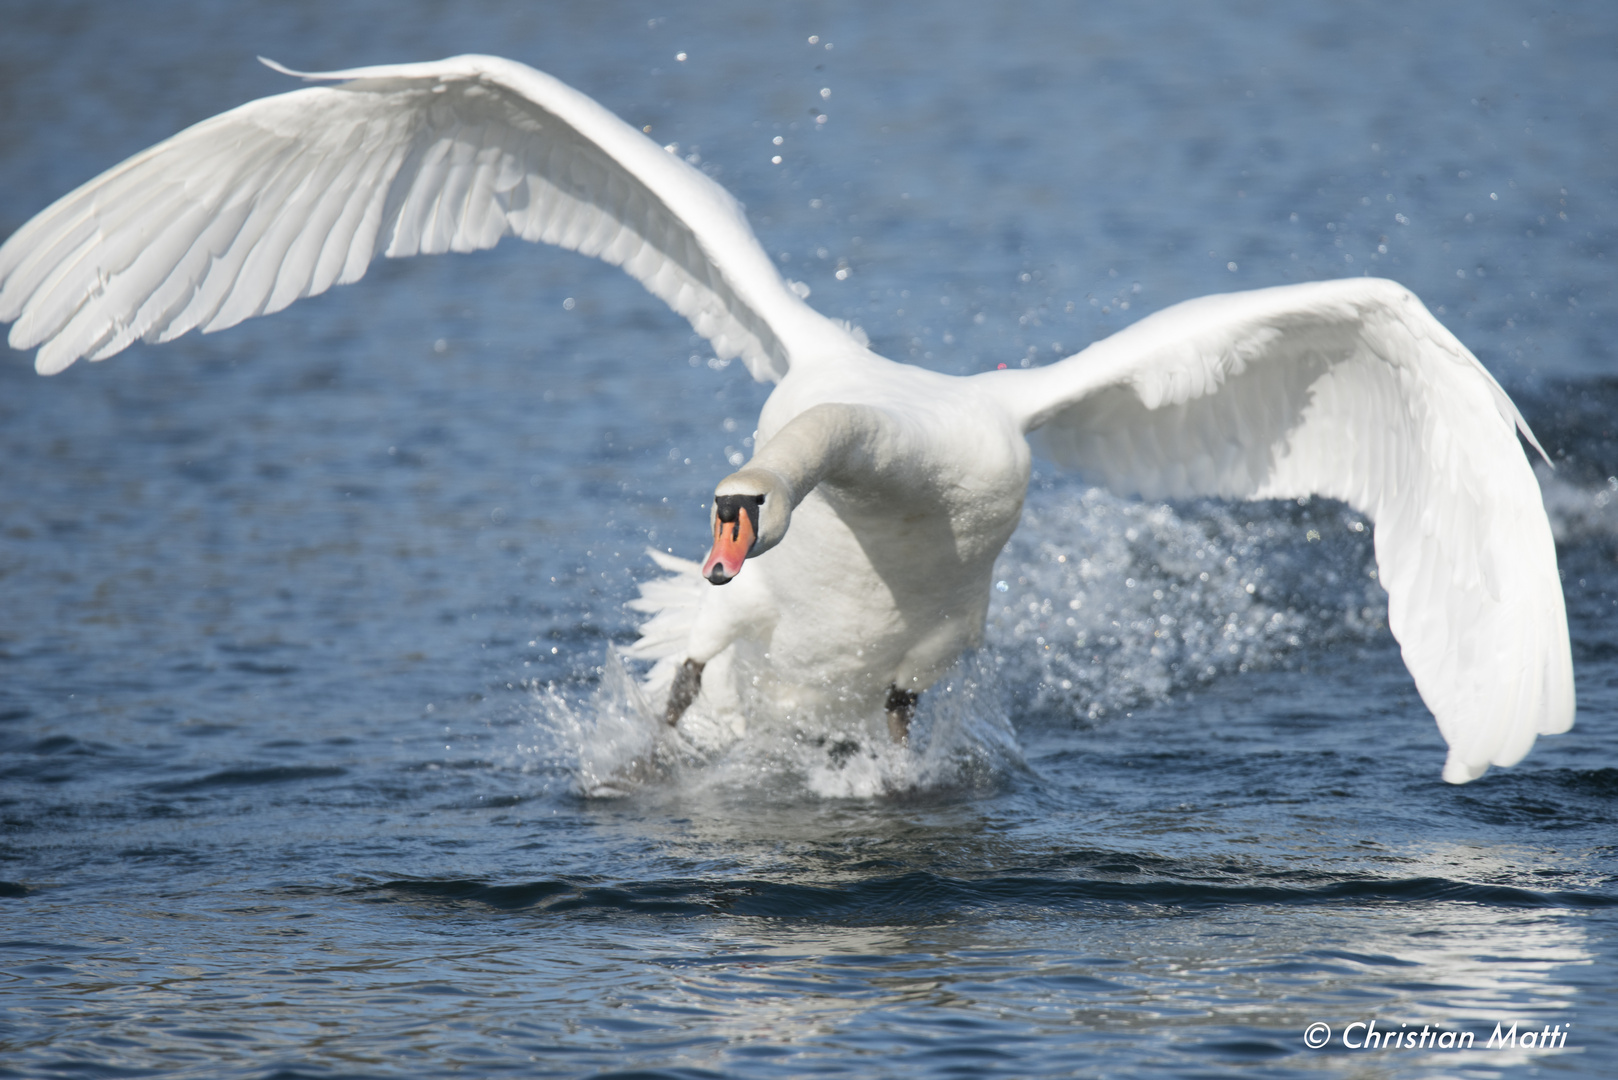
[{"x": 924, "y": 897}]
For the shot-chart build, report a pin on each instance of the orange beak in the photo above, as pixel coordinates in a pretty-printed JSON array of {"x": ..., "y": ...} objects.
[{"x": 732, "y": 540}]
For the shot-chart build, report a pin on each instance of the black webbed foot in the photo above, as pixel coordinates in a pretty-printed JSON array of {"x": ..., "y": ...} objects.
[
  {"x": 901, "y": 705},
  {"x": 687, "y": 685}
]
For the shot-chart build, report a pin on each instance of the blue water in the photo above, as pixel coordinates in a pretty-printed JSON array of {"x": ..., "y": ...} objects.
[{"x": 307, "y": 630}]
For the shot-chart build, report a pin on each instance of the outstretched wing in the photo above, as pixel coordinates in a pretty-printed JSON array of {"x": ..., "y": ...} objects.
[
  {"x": 286, "y": 196},
  {"x": 1349, "y": 389}
]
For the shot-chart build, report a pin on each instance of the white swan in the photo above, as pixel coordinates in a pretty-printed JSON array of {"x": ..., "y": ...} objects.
[{"x": 880, "y": 493}]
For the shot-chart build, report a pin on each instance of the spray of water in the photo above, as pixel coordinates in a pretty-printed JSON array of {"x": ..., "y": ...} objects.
[
  {"x": 1580, "y": 513},
  {"x": 613, "y": 741},
  {"x": 1100, "y": 604}
]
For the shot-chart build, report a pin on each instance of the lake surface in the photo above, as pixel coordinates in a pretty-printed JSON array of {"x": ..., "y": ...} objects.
[{"x": 307, "y": 654}]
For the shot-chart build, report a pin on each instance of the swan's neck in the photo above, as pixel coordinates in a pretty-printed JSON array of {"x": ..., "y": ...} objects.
[{"x": 828, "y": 441}]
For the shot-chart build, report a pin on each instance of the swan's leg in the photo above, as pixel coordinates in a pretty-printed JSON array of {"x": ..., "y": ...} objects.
[
  {"x": 901, "y": 707},
  {"x": 687, "y": 684},
  {"x": 745, "y": 608}
]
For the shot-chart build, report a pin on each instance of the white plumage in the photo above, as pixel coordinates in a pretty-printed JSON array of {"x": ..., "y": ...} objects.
[{"x": 901, "y": 485}]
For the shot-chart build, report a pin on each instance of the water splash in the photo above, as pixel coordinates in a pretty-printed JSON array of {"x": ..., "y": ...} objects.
[
  {"x": 961, "y": 741},
  {"x": 1102, "y": 603},
  {"x": 1579, "y": 512},
  {"x": 608, "y": 741},
  {"x": 612, "y": 741}
]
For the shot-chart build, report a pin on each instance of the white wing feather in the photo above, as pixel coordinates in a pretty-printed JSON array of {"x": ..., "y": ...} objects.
[
  {"x": 286, "y": 196},
  {"x": 1349, "y": 389}
]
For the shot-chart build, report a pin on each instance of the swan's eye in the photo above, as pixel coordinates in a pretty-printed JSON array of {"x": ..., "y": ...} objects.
[{"x": 728, "y": 507}]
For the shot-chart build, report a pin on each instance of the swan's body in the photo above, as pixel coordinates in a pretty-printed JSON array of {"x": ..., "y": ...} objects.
[
  {"x": 900, "y": 485},
  {"x": 883, "y": 578}
]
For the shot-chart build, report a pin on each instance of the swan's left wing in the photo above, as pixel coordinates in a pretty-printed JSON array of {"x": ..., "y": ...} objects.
[
  {"x": 284, "y": 197},
  {"x": 1349, "y": 389}
]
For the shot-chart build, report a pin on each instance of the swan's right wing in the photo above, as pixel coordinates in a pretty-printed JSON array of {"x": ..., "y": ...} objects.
[
  {"x": 286, "y": 196},
  {"x": 1349, "y": 389}
]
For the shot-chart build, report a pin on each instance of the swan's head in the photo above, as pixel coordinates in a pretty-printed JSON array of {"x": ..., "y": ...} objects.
[{"x": 751, "y": 511}]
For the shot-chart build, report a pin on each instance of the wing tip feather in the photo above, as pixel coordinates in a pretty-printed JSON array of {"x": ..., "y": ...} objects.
[
  {"x": 53, "y": 362},
  {"x": 1457, "y": 770}
]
